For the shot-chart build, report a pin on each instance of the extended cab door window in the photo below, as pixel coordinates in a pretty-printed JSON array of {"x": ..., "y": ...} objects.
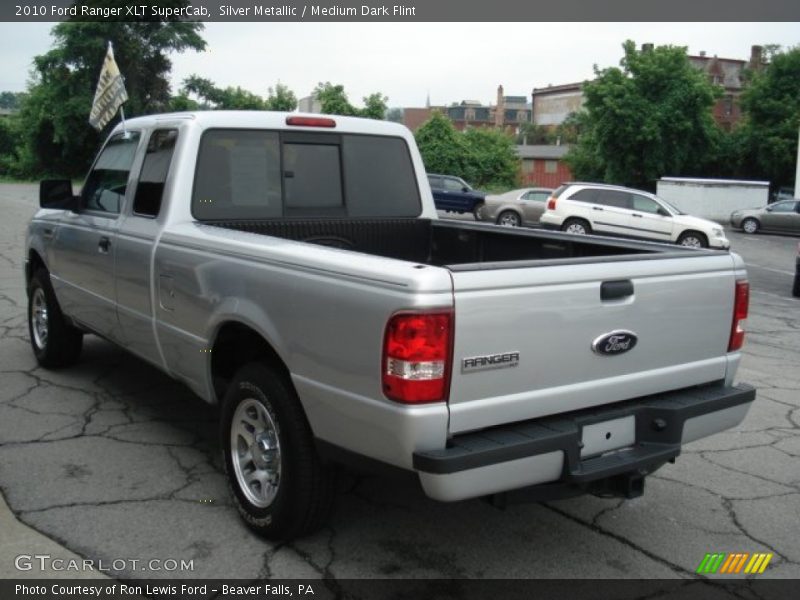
[
  {"x": 104, "y": 190},
  {"x": 155, "y": 168}
]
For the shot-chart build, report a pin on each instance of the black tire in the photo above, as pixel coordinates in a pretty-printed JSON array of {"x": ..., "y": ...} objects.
[
  {"x": 574, "y": 226},
  {"x": 692, "y": 239},
  {"x": 55, "y": 342},
  {"x": 509, "y": 218},
  {"x": 300, "y": 496},
  {"x": 751, "y": 225},
  {"x": 476, "y": 210},
  {"x": 796, "y": 287}
]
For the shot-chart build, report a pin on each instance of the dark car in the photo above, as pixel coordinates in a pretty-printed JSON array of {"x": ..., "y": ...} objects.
[{"x": 453, "y": 194}]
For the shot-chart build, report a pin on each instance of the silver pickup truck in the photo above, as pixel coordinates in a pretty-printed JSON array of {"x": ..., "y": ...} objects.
[{"x": 292, "y": 270}]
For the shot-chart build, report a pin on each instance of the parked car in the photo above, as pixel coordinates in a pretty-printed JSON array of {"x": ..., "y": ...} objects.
[
  {"x": 453, "y": 194},
  {"x": 515, "y": 208},
  {"x": 332, "y": 317},
  {"x": 782, "y": 217},
  {"x": 614, "y": 210}
]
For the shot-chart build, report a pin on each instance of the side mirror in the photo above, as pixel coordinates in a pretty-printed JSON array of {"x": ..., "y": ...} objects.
[
  {"x": 769, "y": 209},
  {"x": 57, "y": 193},
  {"x": 663, "y": 212},
  {"x": 465, "y": 189}
]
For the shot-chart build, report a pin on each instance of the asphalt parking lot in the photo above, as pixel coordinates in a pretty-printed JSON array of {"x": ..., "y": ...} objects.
[{"x": 113, "y": 460}]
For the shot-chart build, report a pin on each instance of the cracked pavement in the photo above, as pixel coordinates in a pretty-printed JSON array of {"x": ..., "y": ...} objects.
[{"x": 114, "y": 460}]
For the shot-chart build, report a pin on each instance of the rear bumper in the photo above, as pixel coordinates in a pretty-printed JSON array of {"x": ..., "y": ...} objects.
[{"x": 650, "y": 430}]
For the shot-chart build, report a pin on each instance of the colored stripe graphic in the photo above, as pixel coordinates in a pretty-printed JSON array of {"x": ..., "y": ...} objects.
[
  {"x": 759, "y": 562},
  {"x": 711, "y": 562},
  {"x": 732, "y": 563}
]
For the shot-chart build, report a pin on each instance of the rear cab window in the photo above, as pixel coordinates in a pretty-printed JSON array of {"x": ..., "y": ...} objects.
[{"x": 260, "y": 174}]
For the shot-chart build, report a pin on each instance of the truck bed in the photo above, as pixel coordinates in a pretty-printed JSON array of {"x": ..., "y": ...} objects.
[{"x": 453, "y": 244}]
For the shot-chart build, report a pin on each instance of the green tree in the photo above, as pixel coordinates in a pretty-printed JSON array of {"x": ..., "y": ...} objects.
[
  {"x": 11, "y": 100},
  {"x": 281, "y": 98},
  {"x": 649, "y": 118},
  {"x": 492, "y": 158},
  {"x": 530, "y": 133},
  {"x": 482, "y": 156},
  {"x": 767, "y": 138},
  {"x": 229, "y": 98},
  {"x": 54, "y": 115},
  {"x": 443, "y": 149},
  {"x": 395, "y": 114},
  {"x": 333, "y": 101}
]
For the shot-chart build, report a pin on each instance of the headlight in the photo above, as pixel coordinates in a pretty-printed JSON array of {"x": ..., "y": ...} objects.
[{"x": 717, "y": 233}]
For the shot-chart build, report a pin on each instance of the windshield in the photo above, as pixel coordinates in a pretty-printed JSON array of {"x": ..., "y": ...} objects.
[{"x": 671, "y": 207}]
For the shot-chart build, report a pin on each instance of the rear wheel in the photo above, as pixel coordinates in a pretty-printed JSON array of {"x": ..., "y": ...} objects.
[
  {"x": 55, "y": 342},
  {"x": 278, "y": 482},
  {"x": 750, "y": 225},
  {"x": 576, "y": 226},
  {"x": 693, "y": 239},
  {"x": 476, "y": 211},
  {"x": 508, "y": 218}
]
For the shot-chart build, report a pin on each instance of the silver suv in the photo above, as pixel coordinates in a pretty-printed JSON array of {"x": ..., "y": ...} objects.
[{"x": 584, "y": 208}]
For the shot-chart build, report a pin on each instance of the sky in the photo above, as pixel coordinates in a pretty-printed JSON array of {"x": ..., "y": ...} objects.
[{"x": 408, "y": 62}]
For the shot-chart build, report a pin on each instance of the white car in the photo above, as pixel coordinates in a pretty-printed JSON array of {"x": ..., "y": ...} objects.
[{"x": 584, "y": 208}]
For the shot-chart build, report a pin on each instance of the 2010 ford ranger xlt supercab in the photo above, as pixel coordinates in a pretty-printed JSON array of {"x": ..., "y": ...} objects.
[{"x": 291, "y": 269}]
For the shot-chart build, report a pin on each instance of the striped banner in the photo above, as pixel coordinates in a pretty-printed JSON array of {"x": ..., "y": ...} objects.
[
  {"x": 110, "y": 92},
  {"x": 734, "y": 563}
]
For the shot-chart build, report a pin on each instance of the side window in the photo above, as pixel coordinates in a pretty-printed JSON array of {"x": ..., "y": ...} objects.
[
  {"x": 587, "y": 195},
  {"x": 435, "y": 183},
  {"x": 453, "y": 185},
  {"x": 535, "y": 196},
  {"x": 105, "y": 186},
  {"x": 614, "y": 198},
  {"x": 783, "y": 207},
  {"x": 645, "y": 204},
  {"x": 155, "y": 168}
]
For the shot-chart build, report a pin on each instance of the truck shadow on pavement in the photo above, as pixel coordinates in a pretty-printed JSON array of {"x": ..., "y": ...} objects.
[{"x": 115, "y": 460}]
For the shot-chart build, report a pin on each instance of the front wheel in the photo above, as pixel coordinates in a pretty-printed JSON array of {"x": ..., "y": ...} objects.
[
  {"x": 750, "y": 226},
  {"x": 693, "y": 239},
  {"x": 576, "y": 226},
  {"x": 476, "y": 211},
  {"x": 278, "y": 482},
  {"x": 55, "y": 342}
]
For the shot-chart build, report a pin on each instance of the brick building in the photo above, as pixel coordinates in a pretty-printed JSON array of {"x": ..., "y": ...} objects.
[
  {"x": 554, "y": 103},
  {"x": 508, "y": 113}
]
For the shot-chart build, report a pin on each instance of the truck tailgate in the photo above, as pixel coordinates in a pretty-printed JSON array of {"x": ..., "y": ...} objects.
[{"x": 524, "y": 337}]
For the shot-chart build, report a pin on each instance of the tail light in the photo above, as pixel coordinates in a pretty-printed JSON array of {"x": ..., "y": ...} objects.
[
  {"x": 740, "y": 304},
  {"x": 417, "y": 353},
  {"x": 551, "y": 203},
  {"x": 310, "y": 121}
]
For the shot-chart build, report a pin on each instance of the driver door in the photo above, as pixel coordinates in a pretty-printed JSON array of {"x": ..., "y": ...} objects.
[{"x": 84, "y": 244}]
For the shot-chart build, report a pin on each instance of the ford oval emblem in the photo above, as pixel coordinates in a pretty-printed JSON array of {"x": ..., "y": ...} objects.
[{"x": 616, "y": 342}]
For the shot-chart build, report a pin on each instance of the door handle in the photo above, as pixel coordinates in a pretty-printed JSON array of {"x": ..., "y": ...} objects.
[
  {"x": 104, "y": 245},
  {"x": 637, "y": 215},
  {"x": 596, "y": 208},
  {"x": 614, "y": 290}
]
